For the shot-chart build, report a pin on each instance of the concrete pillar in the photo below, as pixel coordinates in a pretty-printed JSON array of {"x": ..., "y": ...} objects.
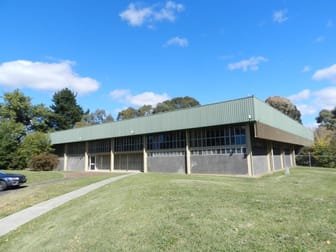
[
  {"x": 145, "y": 168},
  {"x": 293, "y": 158},
  {"x": 270, "y": 157},
  {"x": 65, "y": 166},
  {"x": 86, "y": 157},
  {"x": 188, "y": 157},
  {"x": 249, "y": 151},
  {"x": 282, "y": 157},
  {"x": 112, "y": 155}
]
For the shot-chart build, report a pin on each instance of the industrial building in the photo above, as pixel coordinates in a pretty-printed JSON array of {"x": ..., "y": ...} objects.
[{"x": 238, "y": 137}]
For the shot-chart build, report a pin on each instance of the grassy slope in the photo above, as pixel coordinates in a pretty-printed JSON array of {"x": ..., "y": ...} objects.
[
  {"x": 37, "y": 176},
  {"x": 42, "y": 186},
  {"x": 155, "y": 212}
]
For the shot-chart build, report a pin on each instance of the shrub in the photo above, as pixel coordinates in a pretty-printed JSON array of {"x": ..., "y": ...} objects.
[{"x": 43, "y": 162}]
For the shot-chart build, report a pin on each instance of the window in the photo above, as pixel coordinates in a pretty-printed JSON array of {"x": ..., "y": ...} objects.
[
  {"x": 166, "y": 154},
  {"x": 102, "y": 146},
  {"x": 167, "y": 140},
  {"x": 76, "y": 148},
  {"x": 218, "y": 136},
  {"x": 128, "y": 144},
  {"x": 59, "y": 149}
]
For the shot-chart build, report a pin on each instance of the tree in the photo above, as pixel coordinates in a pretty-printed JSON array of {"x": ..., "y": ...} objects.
[
  {"x": 324, "y": 148},
  {"x": 323, "y": 154},
  {"x": 11, "y": 134},
  {"x": 327, "y": 118},
  {"x": 323, "y": 151},
  {"x": 41, "y": 118},
  {"x": 145, "y": 110},
  {"x": 33, "y": 144},
  {"x": 127, "y": 114},
  {"x": 17, "y": 107},
  {"x": 97, "y": 117},
  {"x": 21, "y": 127},
  {"x": 176, "y": 103},
  {"x": 163, "y": 107},
  {"x": 66, "y": 110},
  {"x": 184, "y": 102},
  {"x": 168, "y": 105},
  {"x": 285, "y": 106}
]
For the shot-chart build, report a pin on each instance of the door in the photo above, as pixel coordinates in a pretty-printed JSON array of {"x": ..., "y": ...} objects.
[{"x": 92, "y": 164}]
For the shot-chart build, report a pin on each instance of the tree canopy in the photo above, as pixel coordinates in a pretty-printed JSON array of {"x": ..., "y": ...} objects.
[
  {"x": 166, "y": 106},
  {"x": 127, "y": 114},
  {"x": 97, "y": 117},
  {"x": 66, "y": 110},
  {"x": 327, "y": 118},
  {"x": 17, "y": 107},
  {"x": 323, "y": 151},
  {"x": 285, "y": 106},
  {"x": 23, "y": 125},
  {"x": 11, "y": 134},
  {"x": 176, "y": 103}
]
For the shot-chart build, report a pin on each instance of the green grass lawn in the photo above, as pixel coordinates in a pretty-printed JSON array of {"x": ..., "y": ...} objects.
[
  {"x": 38, "y": 176},
  {"x": 171, "y": 212},
  {"x": 42, "y": 186}
]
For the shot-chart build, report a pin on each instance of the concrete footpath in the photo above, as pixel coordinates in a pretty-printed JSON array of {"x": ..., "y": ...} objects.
[{"x": 15, "y": 220}]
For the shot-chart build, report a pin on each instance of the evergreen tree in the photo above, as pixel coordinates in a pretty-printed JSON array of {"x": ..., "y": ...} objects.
[
  {"x": 11, "y": 134},
  {"x": 66, "y": 110}
]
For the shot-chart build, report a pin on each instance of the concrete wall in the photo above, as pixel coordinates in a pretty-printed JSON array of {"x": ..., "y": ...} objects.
[
  {"x": 171, "y": 164},
  {"x": 287, "y": 161},
  {"x": 277, "y": 162},
  {"x": 259, "y": 157},
  {"x": 129, "y": 161},
  {"x": 76, "y": 163},
  {"x": 222, "y": 164},
  {"x": 260, "y": 165},
  {"x": 60, "y": 165}
]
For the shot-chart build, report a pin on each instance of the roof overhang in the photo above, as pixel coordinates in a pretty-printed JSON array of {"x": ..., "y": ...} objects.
[{"x": 265, "y": 131}]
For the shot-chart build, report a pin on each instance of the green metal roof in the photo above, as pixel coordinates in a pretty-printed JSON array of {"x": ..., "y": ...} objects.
[
  {"x": 242, "y": 110},
  {"x": 266, "y": 114}
]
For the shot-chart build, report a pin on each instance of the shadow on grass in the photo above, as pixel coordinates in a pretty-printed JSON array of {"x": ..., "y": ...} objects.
[{"x": 12, "y": 189}]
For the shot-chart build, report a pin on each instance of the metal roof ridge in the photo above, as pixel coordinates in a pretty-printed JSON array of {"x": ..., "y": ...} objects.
[{"x": 161, "y": 113}]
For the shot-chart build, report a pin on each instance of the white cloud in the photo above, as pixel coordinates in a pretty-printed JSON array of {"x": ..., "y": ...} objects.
[
  {"x": 44, "y": 76},
  {"x": 168, "y": 12},
  {"x": 328, "y": 73},
  {"x": 177, "y": 41},
  {"x": 119, "y": 94},
  {"x": 326, "y": 97},
  {"x": 306, "y": 69},
  {"x": 146, "y": 98},
  {"x": 280, "y": 16},
  {"x": 137, "y": 15},
  {"x": 311, "y": 102},
  {"x": 307, "y": 109},
  {"x": 303, "y": 95},
  {"x": 248, "y": 64}
]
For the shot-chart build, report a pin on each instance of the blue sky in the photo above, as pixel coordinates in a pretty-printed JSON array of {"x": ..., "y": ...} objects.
[{"x": 116, "y": 54}]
